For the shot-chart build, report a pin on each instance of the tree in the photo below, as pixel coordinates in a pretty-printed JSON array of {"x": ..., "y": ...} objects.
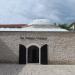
[{"x": 64, "y": 26}]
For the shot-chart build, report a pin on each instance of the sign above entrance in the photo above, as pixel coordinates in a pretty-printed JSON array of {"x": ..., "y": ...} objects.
[{"x": 32, "y": 38}]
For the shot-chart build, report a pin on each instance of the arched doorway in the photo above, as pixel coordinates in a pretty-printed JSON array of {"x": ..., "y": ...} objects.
[{"x": 33, "y": 54}]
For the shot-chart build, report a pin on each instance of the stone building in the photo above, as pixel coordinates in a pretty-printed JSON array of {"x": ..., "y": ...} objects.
[{"x": 39, "y": 42}]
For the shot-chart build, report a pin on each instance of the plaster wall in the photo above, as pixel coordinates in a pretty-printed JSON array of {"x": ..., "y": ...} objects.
[{"x": 61, "y": 45}]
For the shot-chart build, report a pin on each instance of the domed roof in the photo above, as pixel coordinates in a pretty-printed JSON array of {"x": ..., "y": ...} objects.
[{"x": 40, "y": 22}]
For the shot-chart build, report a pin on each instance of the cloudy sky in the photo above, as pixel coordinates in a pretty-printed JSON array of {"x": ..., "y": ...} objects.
[{"x": 24, "y": 11}]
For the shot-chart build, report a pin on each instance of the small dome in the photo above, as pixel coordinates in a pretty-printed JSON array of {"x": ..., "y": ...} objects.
[{"x": 40, "y": 22}]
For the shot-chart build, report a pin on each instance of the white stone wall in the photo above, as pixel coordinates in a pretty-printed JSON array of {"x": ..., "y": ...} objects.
[
  {"x": 62, "y": 48},
  {"x": 61, "y": 45}
]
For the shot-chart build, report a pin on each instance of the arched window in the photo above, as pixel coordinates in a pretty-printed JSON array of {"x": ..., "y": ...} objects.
[
  {"x": 44, "y": 54},
  {"x": 22, "y": 54}
]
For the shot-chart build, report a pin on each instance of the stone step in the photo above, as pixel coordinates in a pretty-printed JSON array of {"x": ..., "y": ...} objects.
[{"x": 36, "y": 69}]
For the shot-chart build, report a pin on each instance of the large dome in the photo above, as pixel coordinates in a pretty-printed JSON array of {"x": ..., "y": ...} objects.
[{"x": 40, "y": 22}]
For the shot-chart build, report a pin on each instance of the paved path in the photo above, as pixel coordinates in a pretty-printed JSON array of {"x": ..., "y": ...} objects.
[{"x": 35, "y": 69}]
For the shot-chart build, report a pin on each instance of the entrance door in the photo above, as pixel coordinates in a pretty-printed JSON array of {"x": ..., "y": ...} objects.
[{"x": 33, "y": 54}]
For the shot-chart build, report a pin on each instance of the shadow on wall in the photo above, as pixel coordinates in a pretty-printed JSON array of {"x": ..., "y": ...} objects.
[{"x": 6, "y": 54}]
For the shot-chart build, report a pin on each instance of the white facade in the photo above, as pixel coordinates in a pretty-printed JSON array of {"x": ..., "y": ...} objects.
[{"x": 61, "y": 45}]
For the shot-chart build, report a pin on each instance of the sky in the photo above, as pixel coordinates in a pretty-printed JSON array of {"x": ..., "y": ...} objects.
[{"x": 24, "y": 11}]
